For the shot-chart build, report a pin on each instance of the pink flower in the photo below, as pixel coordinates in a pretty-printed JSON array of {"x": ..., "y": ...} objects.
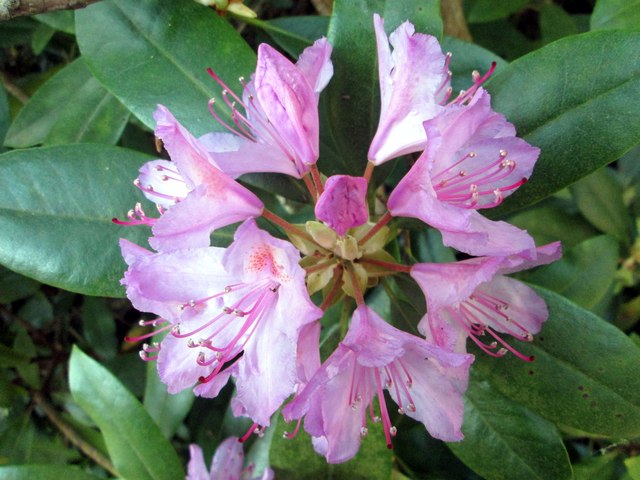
[
  {"x": 472, "y": 298},
  {"x": 193, "y": 195},
  {"x": 414, "y": 84},
  {"x": 226, "y": 464},
  {"x": 235, "y": 311},
  {"x": 472, "y": 161},
  {"x": 425, "y": 381},
  {"x": 343, "y": 204},
  {"x": 279, "y": 131}
]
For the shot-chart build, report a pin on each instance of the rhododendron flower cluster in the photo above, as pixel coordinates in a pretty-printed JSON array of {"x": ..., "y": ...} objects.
[{"x": 251, "y": 311}]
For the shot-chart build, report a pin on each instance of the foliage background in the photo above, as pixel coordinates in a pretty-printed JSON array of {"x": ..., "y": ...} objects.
[{"x": 75, "y": 114}]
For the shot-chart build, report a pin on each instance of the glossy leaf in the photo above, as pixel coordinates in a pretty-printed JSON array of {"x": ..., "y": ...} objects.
[
  {"x": 99, "y": 327},
  {"x": 623, "y": 14},
  {"x": 72, "y": 107},
  {"x": 599, "y": 198},
  {"x": 555, "y": 23},
  {"x": 43, "y": 472},
  {"x": 5, "y": 118},
  {"x": 15, "y": 287},
  {"x": 584, "y": 375},
  {"x": 352, "y": 97},
  {"x": 600, "y": 467},
  {"x": 62, "y": 20},
  {"x": 505, "y": 440},
  {"x": 135, "y": 444},
  {"x": 585, "y": 121},
  {"x": 584, "y": 274},
  {"x": 168, "y": 46},
  {"x": 56, "y": 206}
]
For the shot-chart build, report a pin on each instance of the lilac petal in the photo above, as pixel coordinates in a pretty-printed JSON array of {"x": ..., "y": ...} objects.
[
  {"x": 266, "y": 376},
  {"x": 196, "y": 469},
  {"x": 526, "y": 308},
  {"x": 308, "y": 352},
  {"x": 315, "y": 64},
  {"x": 191, "y": 159},
  {"x": 228, "y": 460},
  {"x": 343, "y": 204},
  {"x": 177, "y": 364},
  {"x": 487, "y": 237},
  {"x": 161, "y": 183},
  {"x": 189, "y": 223},
  {"x": 236, "y": 156},
  {"x": 162, "y": 283},
  {"x": 289, "y": 103},
  {"x": 546, "y": 254},
  {"x": 448, "y": 283},
  {"x": 132, "y": 252},
  {"x": 437, "y": 394},
  {"x": 413, "y": 82}
]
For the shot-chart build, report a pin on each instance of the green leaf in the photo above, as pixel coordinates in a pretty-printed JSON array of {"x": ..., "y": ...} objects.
[
  {"x": 168, "y": 46},
  {"x": 633, "y": 467},
  {"x": 43, "y": 472},
  {"x": 294, "y": 34},
  {"x": 37, "y": 310},
  {"x": 584, "y": 375},
  {"x": 552, "y": 220},
  {"x": 5, "y": 117},
  {"x": 581, "y": 122},
  {"x": 41, "y": 37},
  {"x": 295, "y": 458},
  {"x": 71, "y": 107},
  {"x": 599, "y": 198},
  {"x": 352, "y": 99},
  {"x": 555, "y": 23},
  {"x": 167, "y": 410},
  {"x": 62, "y": 20},
  {"x": 599, "y": 467},
  {"x": 481, "y": 11},
  {"x": 584, "y": 274},
  {"x": 505, "y": 440},
  {"x": 15, "y": 287},
  {"x": 56, "y": 206},
  {"x": 135, "y": 444},
  {"x": 99, "y": 327},
  {"x": 465, "y": 58},
  {"x": 622, "y": 14}
]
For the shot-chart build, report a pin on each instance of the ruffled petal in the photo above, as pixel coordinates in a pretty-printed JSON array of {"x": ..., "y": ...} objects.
[
  {"x": 414, "y": 80},
  {"x": 228, "y": 460},
  {"x": 315, "y": 64}
]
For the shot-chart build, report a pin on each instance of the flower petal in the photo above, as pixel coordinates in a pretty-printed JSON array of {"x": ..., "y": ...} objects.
[
  {"x": 343, "y": 204},
  {"x": 315, "y": 64}
]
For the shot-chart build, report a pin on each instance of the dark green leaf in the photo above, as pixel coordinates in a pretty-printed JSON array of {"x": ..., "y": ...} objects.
[
  {"x": 584, "y": 274},
  {"x": 465, "y": 58},
  {"x": 505, "y": 440},
  {"x": 555, "y": 23},
  {"x": 43, "y": 472},
  {"x": 599, "y": 198},
  {"x": 62, "y": 20},
  {"x": 488, "y": 10},
  {"x": 585, "y": 121},
  {"x": 168, "y": 46},
  {"x": 71, "y": 107},
  {"x": 15, "y": 287},
  {"x": 295, "y": 458},
  {"x": 5, "y": 117},
  {"x": 584, "y": 375},
  {"x": 41, "y": 36},
  {"x": 294, "y": 34},
  {"x": 17, "y": 30},
  {"x": 623, "y": 14},
  {"x": 135, "y": 444},
  {"x": 37, "y": 310},
  {"x": 598, "y": 467},
  {"x": 554, "y": 220},
  {"x": 56, "y": 206},
  {"x": 99, "y": 327},
  {"x": 352, "y": 98},
  {"x": 633, "y": 467}
]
